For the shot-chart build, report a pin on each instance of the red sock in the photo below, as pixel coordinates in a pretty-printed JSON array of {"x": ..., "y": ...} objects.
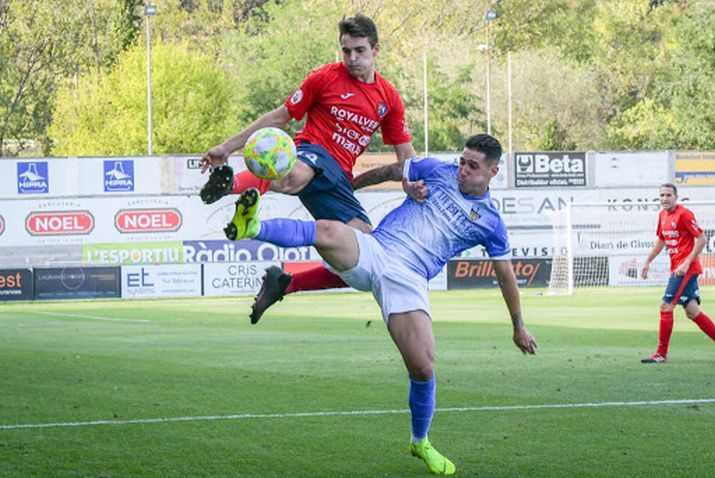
[
  {"x": 666, "y": 329},
  {"x": 705, "y": 324},
  {"x": 315, "y": 278},
  {"x": 246, "y": 180}
]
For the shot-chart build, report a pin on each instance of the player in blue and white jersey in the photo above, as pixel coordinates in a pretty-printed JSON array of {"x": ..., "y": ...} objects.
[{"x": 409, "y": 247}]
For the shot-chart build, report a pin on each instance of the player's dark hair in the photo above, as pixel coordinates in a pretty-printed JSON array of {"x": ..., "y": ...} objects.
[
  {"x": 671, "y": 186},
  {"x": 359, "y": 26},
  {"x": 486, "y": 144}
]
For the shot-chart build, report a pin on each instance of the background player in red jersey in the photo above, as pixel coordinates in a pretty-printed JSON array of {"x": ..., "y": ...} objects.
[
  {"x": 678, "y": 231},
  {"x": 345, "y": 104}
]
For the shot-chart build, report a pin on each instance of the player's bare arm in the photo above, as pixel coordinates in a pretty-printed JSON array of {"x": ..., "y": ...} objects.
[
  {"x": 683, "y": 267},
  {"x": 218, "y": 155},
  {"x": 657, "y": 247},
  {"x": 390, "y": 172},
  {"x": 507, "y": 283}
]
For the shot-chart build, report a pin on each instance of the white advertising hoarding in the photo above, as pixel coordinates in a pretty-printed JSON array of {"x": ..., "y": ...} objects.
[
  {"x": 243, "y": 278},
  {"x": 171, "y": 280},
  {"x": 74, "y": 177},
  {"x": 626, "y": 169}
]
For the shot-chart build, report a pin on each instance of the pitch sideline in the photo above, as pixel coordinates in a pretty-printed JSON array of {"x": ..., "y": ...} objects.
[{"x": 246, "y": 416}]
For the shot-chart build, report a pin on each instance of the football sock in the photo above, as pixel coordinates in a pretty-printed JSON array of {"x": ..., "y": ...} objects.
[
  {"x": 422, "y": 403},
  {"x": 246, "y": 180},
  {"x": 705, "y": 324},
  {"x": 666, "y": 329},
  {"x": 315, "y": 278},
  {"x": 287, "y": 232}
]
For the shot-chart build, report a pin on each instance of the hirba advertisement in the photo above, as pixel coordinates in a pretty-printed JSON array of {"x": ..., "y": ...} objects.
[
  {"x": 118, "y": 175},
  {"x": 234, "y": 278},
  {"x": 32, "y": 177},
  {"x": 180, "y": 280}
]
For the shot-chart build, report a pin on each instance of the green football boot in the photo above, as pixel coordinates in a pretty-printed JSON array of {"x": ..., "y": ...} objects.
[
  {"x": 437, "y": 464},
  {"x": 245, "y": 222}
]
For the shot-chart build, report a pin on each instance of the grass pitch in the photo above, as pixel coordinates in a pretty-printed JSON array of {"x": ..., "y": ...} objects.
[{"x": 189, "y": 388}]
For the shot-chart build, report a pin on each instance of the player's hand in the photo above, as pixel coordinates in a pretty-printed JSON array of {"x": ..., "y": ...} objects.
[
  {"x": 682, "y": 269},
  {"x": 644, "y": 271},
  {"x": 525, "y": 341},
  {"x": 214, "y": 157},
  {"x": 415, "y": 189}
]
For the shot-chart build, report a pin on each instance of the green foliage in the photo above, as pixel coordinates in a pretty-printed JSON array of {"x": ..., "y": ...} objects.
[
  {"x": 617, "y": 74},
  {"x": 41, "y": 48},
  {"x": 677, "y": 110},
  {"x": 272, "y": 56},
  {"x": 193, "y": 106}
]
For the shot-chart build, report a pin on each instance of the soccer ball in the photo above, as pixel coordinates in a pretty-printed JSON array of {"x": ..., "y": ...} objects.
[{"x": 269, "y": 153}]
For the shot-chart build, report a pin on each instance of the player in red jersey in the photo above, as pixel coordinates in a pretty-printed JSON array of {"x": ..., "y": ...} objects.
[
  {"x": 678, "y": 231},
  {"x": 345, "y": 104}
]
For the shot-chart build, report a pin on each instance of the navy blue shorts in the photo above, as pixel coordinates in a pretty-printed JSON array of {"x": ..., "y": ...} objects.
[
  {"x": 329, "y": 195},
  {"x": 682, "y": 289}
]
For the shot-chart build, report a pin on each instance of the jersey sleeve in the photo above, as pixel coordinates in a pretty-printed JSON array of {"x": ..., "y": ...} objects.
[
  {"x": 420, "y": 168},
  {"x": 497, "y": 244},
  {"x": 394, "y": 126},
  {"x": 303, "y": 98},
  {"x": 691, "y": 224},
  {"x": 658, "y": 230}
]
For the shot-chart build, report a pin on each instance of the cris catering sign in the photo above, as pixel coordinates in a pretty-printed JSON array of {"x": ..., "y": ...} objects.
[
  {"x": 59, "y": 223},
  {"x": 129, "y": 221},
  {"x": 553, "y": 169}
]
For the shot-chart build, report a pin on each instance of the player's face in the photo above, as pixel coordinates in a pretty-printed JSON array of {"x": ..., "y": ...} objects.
[
  {"x": 668, "y": 199},
  {"x": 359, "y": 57},
  {"x": 475, "y": 172}
]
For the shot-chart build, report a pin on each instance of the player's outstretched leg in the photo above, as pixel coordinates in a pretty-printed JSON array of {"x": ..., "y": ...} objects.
[
  {"x": 245, "y": 222},
  {"x": 219, "y": 184},
  {"x": 435, "y": 461},
  {"x": 273, "y": 289}
]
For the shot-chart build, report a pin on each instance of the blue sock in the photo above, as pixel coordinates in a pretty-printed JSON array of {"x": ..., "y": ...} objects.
[
  {"x": 422, "y": 402},
  {"x": 287, "y": 232}
]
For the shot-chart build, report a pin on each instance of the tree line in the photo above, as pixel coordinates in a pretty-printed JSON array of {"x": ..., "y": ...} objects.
[{"x": 584, "y": 74}]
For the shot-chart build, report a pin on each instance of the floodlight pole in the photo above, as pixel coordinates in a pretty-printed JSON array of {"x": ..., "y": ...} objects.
[
  {"x": 149, "y": 11},
  {"x": 489, "y": 16}
]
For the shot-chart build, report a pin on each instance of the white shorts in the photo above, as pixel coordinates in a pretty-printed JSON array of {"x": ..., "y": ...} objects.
[{"x": 396, "y": 288}]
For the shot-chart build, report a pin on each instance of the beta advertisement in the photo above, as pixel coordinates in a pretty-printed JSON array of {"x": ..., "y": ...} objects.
[
  {"x": 180, "y": 280},
  {"x": 234, "y": 278},
  {"x": 552, "y": 169}
]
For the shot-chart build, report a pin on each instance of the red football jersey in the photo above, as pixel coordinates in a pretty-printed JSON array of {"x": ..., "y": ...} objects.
[
  {"x": 679, "y": 229},
  {"x": 344, "y": 113}
]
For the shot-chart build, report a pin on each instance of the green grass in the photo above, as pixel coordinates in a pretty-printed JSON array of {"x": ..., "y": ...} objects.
[{"x": 60, "y": 363}]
